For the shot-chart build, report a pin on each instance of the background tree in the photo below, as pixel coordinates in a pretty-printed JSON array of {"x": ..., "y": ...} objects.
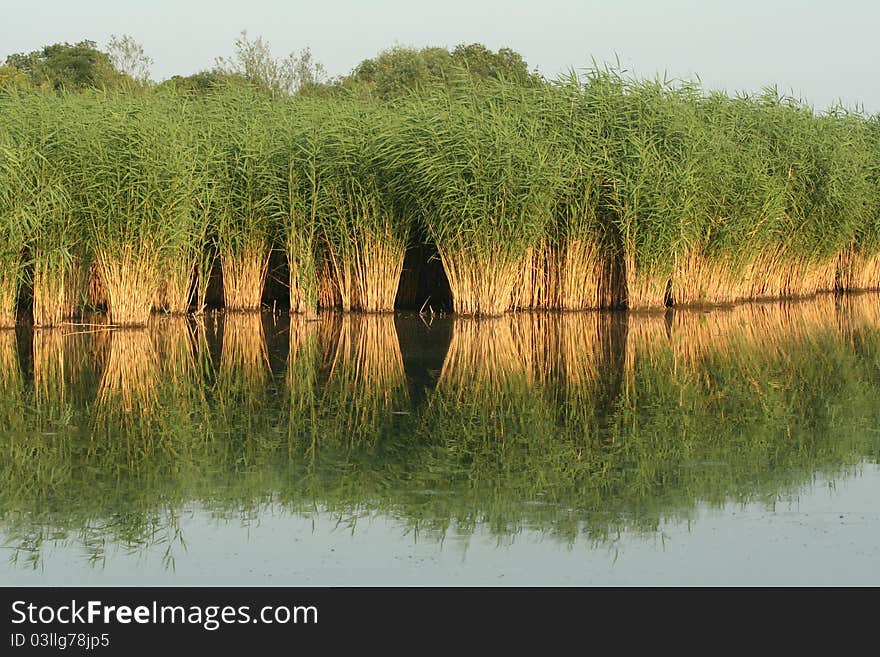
[
  {"x": 254, "y": 61},
  {"x": 10, "y": 76},
  {"x": 205, "y": 82},
  {"x": 399, "y": 70},
  {"x": 129, "y": 58},
  {"x": 485, "y": 64},
  {"x": 66, "y": 66}
]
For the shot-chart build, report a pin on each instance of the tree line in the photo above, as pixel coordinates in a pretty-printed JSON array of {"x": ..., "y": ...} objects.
[{"x": 123, "y": 64}]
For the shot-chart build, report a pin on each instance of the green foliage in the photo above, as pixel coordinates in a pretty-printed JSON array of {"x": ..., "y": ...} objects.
[
  {"x": 400, "y": 70},
  {"x": 204, "y": 82},
  {"x": 69, "y": 66},
  {"x": 11, "y": 76}
]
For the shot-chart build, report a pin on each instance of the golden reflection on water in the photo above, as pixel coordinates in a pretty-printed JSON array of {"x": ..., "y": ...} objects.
[
  {"x": 363, "y": 353},
  {"x": 131, "y": 374},
  {"x": 581, "y": 411},
  {"x": 244, "y": 347},
  {"x": 10, "y": 380}
]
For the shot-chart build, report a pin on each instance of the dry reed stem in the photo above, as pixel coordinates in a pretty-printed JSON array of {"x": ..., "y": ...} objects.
[
  {"x": 576, "y": 275},
  {"x": 339, "y": 271},
  {"x": 481, "y": 284},
  {"x": 698, "y": 280},
  {"x": 50, "y": 298},
  {"x": 857, "y": 271},
  {"x": 130, "y": 277},
  {"x": 57, "y": 291},
  {"x": 97, "y": 292},
  {"x": 645, "y": 289},
  {"x": 329, "y": 295},
  {"x": 174, "y": 294},
  {"x": 76, "y": 288},
  {"x": 584, "y": 276},
  {"x": 536, "y": 286},
  {"x": 378, "y": 262},
  {"x": 8, "y": 298},
  {"x": 302, "y": 286},
  {"x": 777, "y": 274},
  {"x": 244, "y": 275}
]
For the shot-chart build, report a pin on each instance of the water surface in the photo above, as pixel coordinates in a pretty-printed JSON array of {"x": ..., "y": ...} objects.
[{"x": 729, "y": 446}]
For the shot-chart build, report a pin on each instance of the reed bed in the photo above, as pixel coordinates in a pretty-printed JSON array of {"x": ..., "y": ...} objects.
[
  {"x": 596, "y": 190},
  {"x": 479, "y": 177},
  {"x": 240, "y": 171},
  {"x": 362, "y": 235},
  {"x": 309, "y": 282},
  {"x": 14, "y": 163}
]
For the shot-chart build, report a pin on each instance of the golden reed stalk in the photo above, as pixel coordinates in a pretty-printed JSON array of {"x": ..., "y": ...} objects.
[
  {"x": 645, "y": 288},
  {"x": 58, "y": 291},
  {"x": 576, "y": 275},
  {"x": 244, "y": 275},
  {"x": 8, "y": 298},
  {"x": 329, "y": 291},
  {"x": 365, "y": 279},
  {"x": 378, "y": 262},
  {"x": 857, "y": 271},
  {"x": 481, "y": 284},
  {"x": 175, "y": 291},
  {"x": 130, "y": 280}
]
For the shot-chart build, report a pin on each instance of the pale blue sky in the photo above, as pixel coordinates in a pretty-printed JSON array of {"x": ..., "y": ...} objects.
[{"x": 820, "y": 50}]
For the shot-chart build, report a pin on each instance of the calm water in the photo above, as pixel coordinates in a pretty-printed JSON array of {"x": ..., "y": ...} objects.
[{"x": 725, "y": 447}]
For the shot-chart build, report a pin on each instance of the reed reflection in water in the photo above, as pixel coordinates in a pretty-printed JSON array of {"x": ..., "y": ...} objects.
[{"x": 570, "y": 424}]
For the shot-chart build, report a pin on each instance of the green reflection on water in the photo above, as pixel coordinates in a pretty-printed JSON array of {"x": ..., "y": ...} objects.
[{"x": 584, "y": 424}]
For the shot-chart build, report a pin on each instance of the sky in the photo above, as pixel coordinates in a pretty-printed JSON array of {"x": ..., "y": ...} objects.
[{"x": 821, "y": 51}]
